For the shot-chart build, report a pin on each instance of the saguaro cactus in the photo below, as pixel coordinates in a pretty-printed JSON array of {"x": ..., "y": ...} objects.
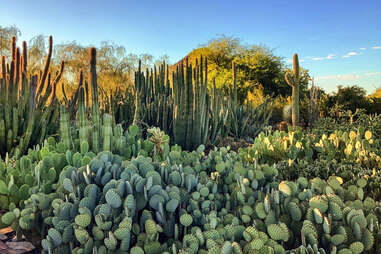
[{"x": 293, "y": 79}]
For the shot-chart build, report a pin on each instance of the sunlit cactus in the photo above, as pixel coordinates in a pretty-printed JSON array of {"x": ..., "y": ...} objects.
[{"x": 293, "y": 80}]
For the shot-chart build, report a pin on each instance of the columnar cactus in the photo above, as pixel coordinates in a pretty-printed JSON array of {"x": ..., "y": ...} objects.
[
  {"x": 191, "y": 99},
  {"x": 293, "y": 80},
  {"x": 28, "y": 105}
]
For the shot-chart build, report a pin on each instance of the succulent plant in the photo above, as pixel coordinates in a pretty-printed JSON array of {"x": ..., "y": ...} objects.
[{"x": 293, "y": 80}]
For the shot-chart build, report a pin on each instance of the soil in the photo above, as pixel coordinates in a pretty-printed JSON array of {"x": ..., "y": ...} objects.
[{"x": 10, "y": 245}]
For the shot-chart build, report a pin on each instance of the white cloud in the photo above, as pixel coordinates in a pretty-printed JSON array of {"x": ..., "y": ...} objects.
[
  {"x": 372, "y": 73},
  {"x": 330, "y": 56},
  {"x": 363, "y": 48},
  {"x": 339, "y": 77},
  {"x": 368, "y": 80},
  {"x": 349, "y": 54},
  {"x": 376, "y": 47},
  {"x": 348, "y": 76},
  {"x": 301, "y": 60}
]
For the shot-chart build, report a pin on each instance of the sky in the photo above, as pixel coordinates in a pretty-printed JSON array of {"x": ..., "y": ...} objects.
[{"x": 338, "y": 41}]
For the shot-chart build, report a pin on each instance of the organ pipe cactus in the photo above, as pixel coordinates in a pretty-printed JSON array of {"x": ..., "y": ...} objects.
[
  {"x": 94, "y": 95},
  {"x": 293, "y": 80},
  {"x": 28, "y": 105},
  {"x": 191, "y": 99},
  {"x": 153, "y": 97}
]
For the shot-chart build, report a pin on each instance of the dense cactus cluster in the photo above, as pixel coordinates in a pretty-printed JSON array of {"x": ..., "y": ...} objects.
[
  {"x": 350, "y": 155},
  {"x": 28, "y": 105},
  {"x": 189, "y": 203},
  {"x": 38, "y": 170},
  {"x": 357, "y": 147},
  {"x": 190, "y": 110}
]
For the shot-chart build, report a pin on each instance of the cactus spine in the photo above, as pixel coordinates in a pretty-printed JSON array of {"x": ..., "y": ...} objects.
[{"x": 293, "y": 80}]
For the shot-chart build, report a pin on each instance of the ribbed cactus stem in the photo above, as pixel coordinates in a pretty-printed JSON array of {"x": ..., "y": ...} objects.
[
  {"x": 57, "y": 79},
  {"x": 13, "y": 47},
  {"x": 93, "y": 74},
  {"x": 3, "y": 68},
  {"x": 295, "y": 65},
  {"x": 64, "y": 126},
  {"x": 138, "y": 87},
  {"x": 11, "y": 80},
  {"x": 24, "y": 57},
  {"x": 107, "y": 133},
  {"x": 95, "y": 102},
  {"x": 17, "y": 67},
  {"x": 293, "y": 80},
  {"x": 46, "y": 67}
]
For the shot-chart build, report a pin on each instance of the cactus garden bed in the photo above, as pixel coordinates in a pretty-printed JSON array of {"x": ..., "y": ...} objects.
[
  {"x": 98, "y": 186},
  {"x": 173, "y": 201}
]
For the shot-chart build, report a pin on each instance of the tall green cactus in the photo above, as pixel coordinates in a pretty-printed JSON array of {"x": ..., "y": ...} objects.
[
  {"x": 191, "y": 111},
  {"x": 293, "y": 80},
  {"x": 28, "y": 106},
  {"x": 94, "y": 96},
  {"x": 153, "y": 97}
]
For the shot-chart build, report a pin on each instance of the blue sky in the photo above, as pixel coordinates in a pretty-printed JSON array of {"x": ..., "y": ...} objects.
[{"x": 339, "y": 41}]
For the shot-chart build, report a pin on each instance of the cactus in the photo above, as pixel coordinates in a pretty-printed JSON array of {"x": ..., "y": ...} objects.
[
  {"x": 293, "y": 80},
  {"x": 190, "y": 113},
  {"x": 29, "y": 106},
  {"x": 128, "y": 199}
]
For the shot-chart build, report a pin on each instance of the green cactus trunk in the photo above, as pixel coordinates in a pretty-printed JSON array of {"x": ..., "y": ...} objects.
[
  {"x": 293, "y": 80},
  {"x": 295, "y": 105},
  {"x": 95, "y": 102},
  {"x": 28, "y": 106}
]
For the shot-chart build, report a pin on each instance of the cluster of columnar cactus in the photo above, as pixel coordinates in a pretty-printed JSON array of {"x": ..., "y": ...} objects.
[
  {"x": 28, "y": 106},
  {"x": 189, "y": 110},
  {"x": 153, "y": 97}
]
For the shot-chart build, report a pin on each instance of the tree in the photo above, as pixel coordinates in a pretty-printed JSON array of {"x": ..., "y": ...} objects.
[
  {"x": 6, "y": 34},
  {"x": 257, "y": 67},
  {"x": 37, "y": 50},
  {"x": 115, "y": 67},
  {"x": 376, "y": 94},
  {"x": 375, "y": 102},
  {"x": 350, "y": 98}
]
